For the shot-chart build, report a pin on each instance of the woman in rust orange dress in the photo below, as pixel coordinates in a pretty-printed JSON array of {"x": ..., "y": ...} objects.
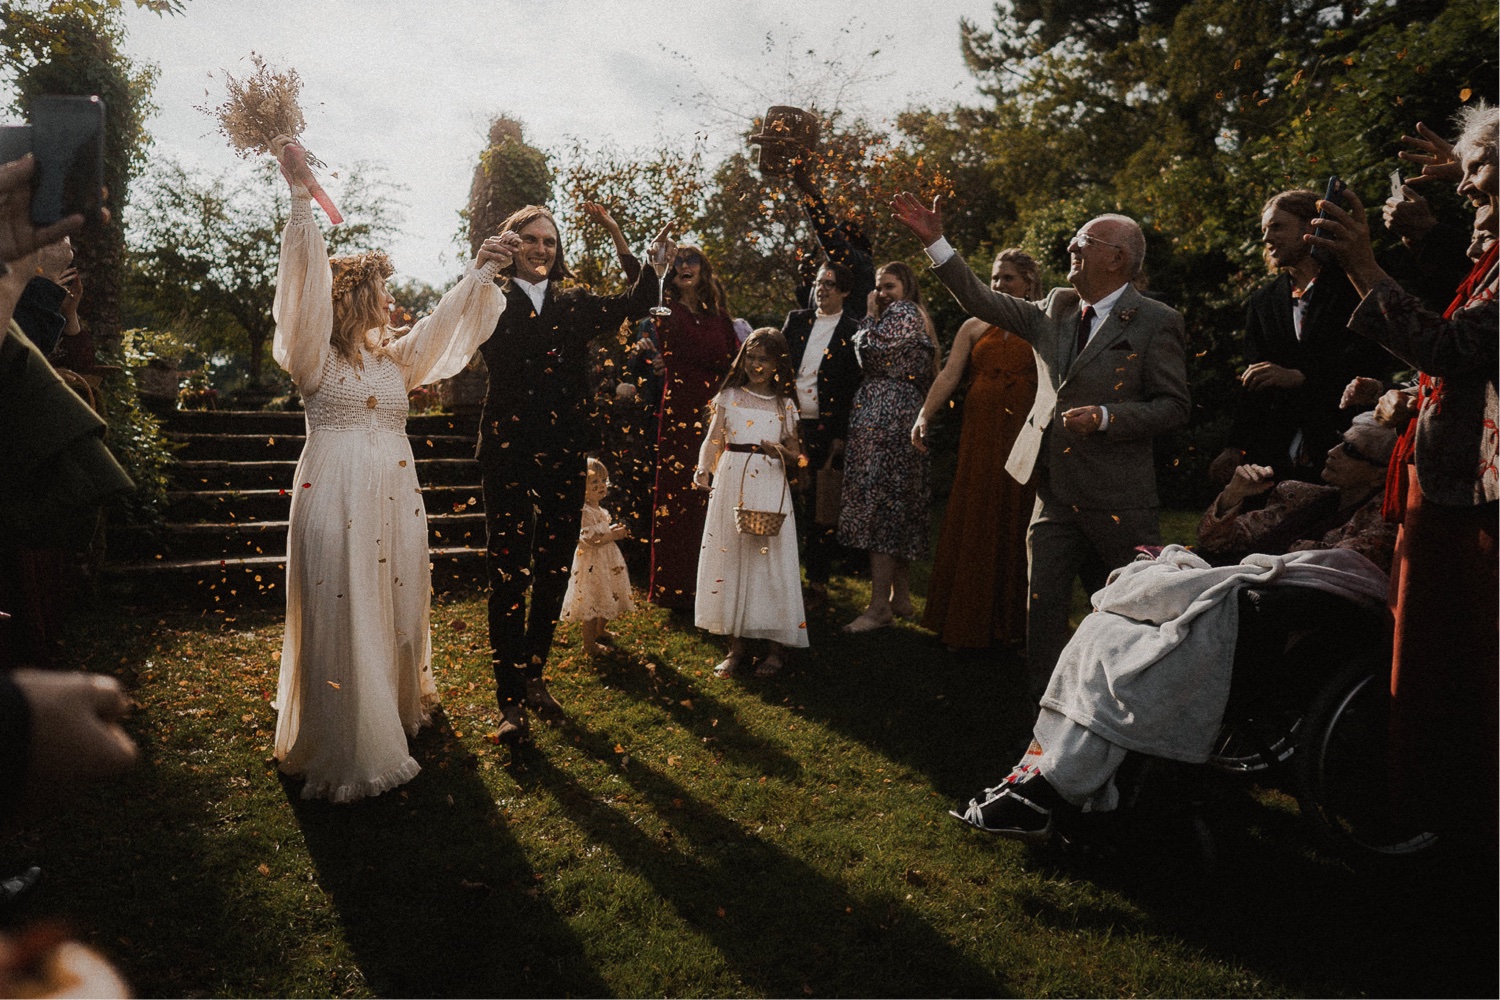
[
  {"x": 697, "y": 342},
  {"x": 976, "y": 596}
]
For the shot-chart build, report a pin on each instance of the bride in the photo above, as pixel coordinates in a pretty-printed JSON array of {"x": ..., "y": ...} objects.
[{"x": 356, "y": 671}]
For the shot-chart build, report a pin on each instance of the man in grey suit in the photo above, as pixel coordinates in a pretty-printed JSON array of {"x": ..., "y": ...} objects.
[{"x": 1112, "y": 376}]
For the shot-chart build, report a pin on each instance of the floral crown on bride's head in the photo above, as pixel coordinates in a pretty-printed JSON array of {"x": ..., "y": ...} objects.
[{"x": 351, "y": 271}]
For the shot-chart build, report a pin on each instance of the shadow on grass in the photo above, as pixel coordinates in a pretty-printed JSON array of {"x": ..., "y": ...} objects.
[
  {"x": 783, "y": 928},
  {"x": 435, "y": 896},
  {"x": 159, "y": 868},
  {"x": 695, "y": 710},
  {"x": 958, "y": 719},
  {"x": 1277, "y": 908}
]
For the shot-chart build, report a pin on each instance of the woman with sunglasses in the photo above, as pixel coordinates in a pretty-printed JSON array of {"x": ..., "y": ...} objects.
[
  {"x": 1257, "y": 514},
  {"x": 697, "y": 343}
]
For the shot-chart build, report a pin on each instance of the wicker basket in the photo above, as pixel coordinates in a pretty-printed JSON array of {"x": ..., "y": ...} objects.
[{"x": 758, "y": 522}]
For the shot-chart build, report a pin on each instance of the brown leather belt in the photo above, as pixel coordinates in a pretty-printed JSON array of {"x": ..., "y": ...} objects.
[{"x": 748, "y": 449}]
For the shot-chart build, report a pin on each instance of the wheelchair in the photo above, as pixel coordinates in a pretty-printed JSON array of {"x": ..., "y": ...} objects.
[
  {"x": 1308, "y": 712},
  {"x": 1310, "y": 701}
]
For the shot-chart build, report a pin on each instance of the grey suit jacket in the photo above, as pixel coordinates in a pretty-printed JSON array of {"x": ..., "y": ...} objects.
[{"x": 1135, "y": 364}]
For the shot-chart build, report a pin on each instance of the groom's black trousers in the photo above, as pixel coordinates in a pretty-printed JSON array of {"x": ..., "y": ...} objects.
[{"x": 532, "y": 512}]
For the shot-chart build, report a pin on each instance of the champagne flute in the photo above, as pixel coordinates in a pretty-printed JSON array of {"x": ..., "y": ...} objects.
[{"x": 659, "y": 255}]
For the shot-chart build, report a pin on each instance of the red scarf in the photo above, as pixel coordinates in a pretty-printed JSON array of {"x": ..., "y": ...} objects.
[{"x": 1429, "y": 393}]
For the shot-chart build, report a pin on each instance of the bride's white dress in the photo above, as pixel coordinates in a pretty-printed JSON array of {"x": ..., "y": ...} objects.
[{"x": 356, "y": 670}]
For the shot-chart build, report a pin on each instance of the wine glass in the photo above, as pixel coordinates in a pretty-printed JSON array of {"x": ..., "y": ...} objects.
[{"x": 659, "y": 255}]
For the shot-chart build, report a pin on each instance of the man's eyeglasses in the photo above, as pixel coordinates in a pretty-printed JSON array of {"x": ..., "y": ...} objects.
[
  {"x": 1088, "y": 239},
  {"x": 1353, "y": 452}
]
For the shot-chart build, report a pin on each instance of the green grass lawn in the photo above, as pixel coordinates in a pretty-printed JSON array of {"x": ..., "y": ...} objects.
[{"x": 684, "y": 835}]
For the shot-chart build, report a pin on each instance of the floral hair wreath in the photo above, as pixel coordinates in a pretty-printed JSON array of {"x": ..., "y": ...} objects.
[{"x": 351, "y": 271}]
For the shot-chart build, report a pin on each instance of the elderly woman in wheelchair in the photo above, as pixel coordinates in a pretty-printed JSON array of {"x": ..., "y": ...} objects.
[{"x": 1149, "y": 670}]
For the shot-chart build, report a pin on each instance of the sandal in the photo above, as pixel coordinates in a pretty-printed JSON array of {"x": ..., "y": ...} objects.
[
  {"x": 770, "y": 666},
  {"x": 730, "y": 666}
]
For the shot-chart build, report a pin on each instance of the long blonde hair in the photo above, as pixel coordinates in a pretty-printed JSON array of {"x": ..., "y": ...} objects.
[{"x": 356, "y": 305}]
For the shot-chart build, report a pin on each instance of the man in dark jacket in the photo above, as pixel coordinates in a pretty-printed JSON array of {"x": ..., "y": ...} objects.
[
  {"x": 821, "y": 342},
  {"x": 1300, "y": 355},
  {"x": 534, "y": 435}
]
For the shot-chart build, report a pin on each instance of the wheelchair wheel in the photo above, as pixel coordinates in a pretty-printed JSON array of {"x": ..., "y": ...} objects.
[
  {"x": 1253, "y": 744},
  {"x": 1341, "y": 769}
]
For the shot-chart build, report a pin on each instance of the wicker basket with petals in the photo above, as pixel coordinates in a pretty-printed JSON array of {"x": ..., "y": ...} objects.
[{"x": 765, "y": 523}]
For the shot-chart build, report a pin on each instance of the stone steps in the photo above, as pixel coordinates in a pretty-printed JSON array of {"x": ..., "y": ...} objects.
[{"x": 223, "y": 542}]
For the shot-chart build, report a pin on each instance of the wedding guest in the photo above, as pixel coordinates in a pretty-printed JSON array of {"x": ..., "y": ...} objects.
[
  {"x": 976, "y": 595},
  {"x": 888, "y": 483},
  {"x": 1149, "y": 670},
  {"x": 749, "y": 583},
  {"x": 1446, "y": 494},
  {"x": 821, "y": 344},
  {"x": 1299, "y": 353},
  {"x": 697, "y": 343}
]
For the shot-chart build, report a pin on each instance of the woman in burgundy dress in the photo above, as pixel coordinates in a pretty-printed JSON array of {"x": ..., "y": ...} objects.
[{"x": 697, "y": 342}]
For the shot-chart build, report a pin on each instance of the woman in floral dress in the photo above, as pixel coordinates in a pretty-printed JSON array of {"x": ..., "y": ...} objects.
[{"x": 888, "y": 482}]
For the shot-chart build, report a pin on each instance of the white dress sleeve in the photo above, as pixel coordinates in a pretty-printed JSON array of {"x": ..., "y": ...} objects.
[
  {"x": 716, "y": 437},
  {"x": 303, "y": 308},
  {"x": 441, "y": 343}
]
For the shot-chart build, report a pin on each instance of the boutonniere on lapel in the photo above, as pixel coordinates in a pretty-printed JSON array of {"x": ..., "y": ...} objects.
[{"x": 1126, "y": 315}]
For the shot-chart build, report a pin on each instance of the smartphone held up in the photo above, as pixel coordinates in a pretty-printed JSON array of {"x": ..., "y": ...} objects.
[
  {"x": 1333, "y": 194},
  {"x": 66, "y": 136}
]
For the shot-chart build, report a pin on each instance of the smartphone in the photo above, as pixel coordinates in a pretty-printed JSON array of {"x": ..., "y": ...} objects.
[
  {"x": 66, "y": 135},
  {"x": 1397, "y": 183},
  {"x": 1333, "y": 192},
  {"x": 67, "y": 138}
]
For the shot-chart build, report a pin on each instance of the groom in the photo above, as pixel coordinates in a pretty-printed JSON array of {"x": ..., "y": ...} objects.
[{"x": 534, "y": 435}]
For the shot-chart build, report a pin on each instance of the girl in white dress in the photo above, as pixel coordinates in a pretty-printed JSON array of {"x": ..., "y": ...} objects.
[
  {"x": 356, "y": 672},
  {"x": 599, "y": 586},
  {"x": 750, "y": 586}
]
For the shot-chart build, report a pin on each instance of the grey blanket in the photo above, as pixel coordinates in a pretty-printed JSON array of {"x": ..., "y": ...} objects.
[{"x": 1149, "y": 668}]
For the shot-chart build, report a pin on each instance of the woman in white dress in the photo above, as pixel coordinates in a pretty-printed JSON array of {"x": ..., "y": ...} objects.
[
  {"x": 750, "y": 586},
  {"x": 356, "y": 672}
]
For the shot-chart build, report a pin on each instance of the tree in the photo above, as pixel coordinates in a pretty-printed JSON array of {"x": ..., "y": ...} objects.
[
  {"x": 510, "y": 175},
  {"x": 204, "y": 249}
]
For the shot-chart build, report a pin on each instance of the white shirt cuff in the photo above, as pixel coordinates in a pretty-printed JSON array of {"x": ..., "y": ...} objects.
[
  {"x": 486, "y": 272},
  {"x": 1104, "y": 418},
  {"x": 940, "y": 251}
]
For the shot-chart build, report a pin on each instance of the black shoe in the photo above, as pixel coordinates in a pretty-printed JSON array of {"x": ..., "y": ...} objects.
[
  {"x": 514, "y": 725},
  {"x": 17, "y": 886},
  {"x": 540, "y": 700},
  {"x": 1019, "y": 811}
]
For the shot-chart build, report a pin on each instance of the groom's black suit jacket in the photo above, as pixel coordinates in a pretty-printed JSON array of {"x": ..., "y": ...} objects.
[{"x": 539, "y": 398}]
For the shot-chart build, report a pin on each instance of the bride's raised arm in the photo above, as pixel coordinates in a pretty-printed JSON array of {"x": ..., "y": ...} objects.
[
  {"x": 303, "y": 309},
  {"x": 442, "y": 343}
]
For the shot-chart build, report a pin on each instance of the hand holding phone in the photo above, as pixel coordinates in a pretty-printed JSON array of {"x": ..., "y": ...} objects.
[
  {"x": 18, "y": 236},
  {"x": 1333, "y": 193}
]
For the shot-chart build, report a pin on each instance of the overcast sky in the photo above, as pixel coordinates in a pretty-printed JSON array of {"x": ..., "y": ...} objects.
[{"x": 412, "y": 85}]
